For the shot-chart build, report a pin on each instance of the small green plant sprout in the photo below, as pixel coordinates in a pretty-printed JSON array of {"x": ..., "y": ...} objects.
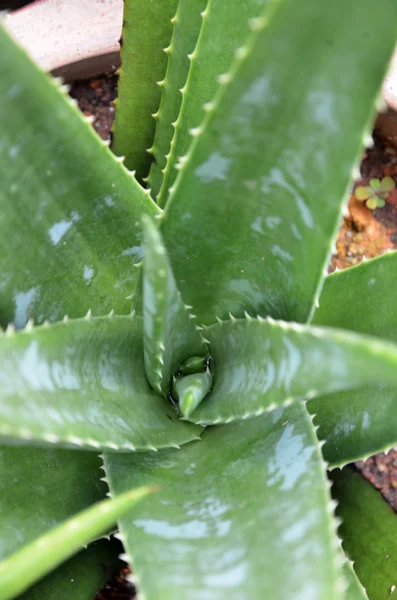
[{"x": 375, "y": 194}]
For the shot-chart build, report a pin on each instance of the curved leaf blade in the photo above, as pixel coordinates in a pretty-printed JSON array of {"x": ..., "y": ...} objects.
[
  {"x": 223, "y": 31},
  {"x": 355, "y": 590},
  {"x": 39, "y": 488},
  {"x": 170, "y": 334},
  {"x": 261, "y": 364},
  {"x": 369, "y": 532},
  {"x": 147, "y": 30},
  {"x": 246, "y": 507},
  {"x": 257, "y": 183},
  {"x": 45, "y": 553},
  {"x": 73, "y": 211},
  {"x": 359, "y": 423},
  {"x": 82, "y": 384},
  {"x": 187, "y": 26},
  {"x": 81, "y": 577}
]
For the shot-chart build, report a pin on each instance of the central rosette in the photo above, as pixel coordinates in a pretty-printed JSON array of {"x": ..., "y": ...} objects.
[{"x": 191, "y": 384}]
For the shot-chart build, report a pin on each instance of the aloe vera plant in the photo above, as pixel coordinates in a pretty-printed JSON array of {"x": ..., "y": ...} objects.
[{"x": 186, "y": 336}]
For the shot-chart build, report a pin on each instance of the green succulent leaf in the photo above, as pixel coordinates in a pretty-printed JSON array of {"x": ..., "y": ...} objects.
[
  {"x": 170, "y": 334},
  {"x": 245, "y": 509},
  {"x": 369, "y": 532},
  {"x": 187, "y": 25},
  {"x": 39, "y": 488},
  {"x": 355, "y": 590},
  {"x": 223, "y": 31},
  {"x": 49, "y": 550},
  {"x": 257, "y": 184},
  {"x": 261, "y": 364},
  {"x": 82, "y": 384},
  {"x": 359, "y": 423},
  {"x": 147, "y": 31},
  {"x": 81, "y": 577},
  {"x": 69, "y": 212}
]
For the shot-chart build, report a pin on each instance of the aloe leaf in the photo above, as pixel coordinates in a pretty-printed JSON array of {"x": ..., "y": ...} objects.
[
  {"x": 81, "y": 577},
  {"x": 265, "y": 180},
  {"x": 170, "y": 334},
  {"x": 245, "y": 509},
  {"x": 73, "y": 211},
  {"x": 259, "y": 365},
  {"x": 147, "y": 31},
  {"x": 223, "y": 30},
  {"x": 187, "y": 25},
  {"x": 355, "y": 590},
  {"x": 369, "y": 532},
  {"x": 50, "y": 549},
  {"x": 359, "y": 423},
  {"x": 82, "y": 384},
  {"x": 50, "y": 484}
]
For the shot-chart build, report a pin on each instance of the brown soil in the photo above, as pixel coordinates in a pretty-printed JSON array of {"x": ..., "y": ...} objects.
[{"x": 363, "y": 233}]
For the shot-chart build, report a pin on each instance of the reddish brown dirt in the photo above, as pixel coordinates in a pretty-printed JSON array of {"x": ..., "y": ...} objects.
[{"x": 363, "y": 233}]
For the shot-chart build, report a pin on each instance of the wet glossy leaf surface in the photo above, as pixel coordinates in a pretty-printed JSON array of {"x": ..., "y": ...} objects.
[
  {"x": 222, "y": 32},
  {"x": 187, "y": 26},
  {"x": 69, "y": 213},
  {"x": 170, "y": 335},
  {"x": 147, "y": 29},
  {"x": 81, "y": 577},
  {"x": 244, "y": 511},
  {"x": 53, "y": 547},
  {"x": 40, "y": 488},
  {"x": 251, "y": 222},
  {"x": 368, "y": 531},
  {"x": 83, "y": 383},
  {"x": 260, "y": 364},
  {"x": 363, "y": 299}
]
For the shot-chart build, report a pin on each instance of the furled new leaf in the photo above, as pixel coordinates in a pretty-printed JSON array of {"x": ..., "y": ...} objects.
[
  {"x": 69, "y": 212},
  {"x": 49, "y": 550},
  {"x": 359, "y": 423},
  {"x": 170, "y": 334},
  {"x": 147, "y": 31},
  {"x": 369, "y": 532},
  {"x": 83, "y": 383},
  {"x": 261, "y": 364},
  {"x": 224, "y": 29},
  {"x": 255, "y": 209},
  {"x": 244, "y": 511},
  {"x": 187, "y": 25}
]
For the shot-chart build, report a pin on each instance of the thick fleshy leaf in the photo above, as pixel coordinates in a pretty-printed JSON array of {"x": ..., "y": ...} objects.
[
  {"x": 355, "y": 590},
  {"x": 187, "y": 25},
  {"x": 147, "y": 30},
  {"x": 42, "y": 555},
  {"x": 255, "y": 210},
  {"x": 82, "y": 384},
  {"x": 243, "y": 512},
  {"x": 363, "y": 299},
  {"x": 40, "y": 488},
  {"x": 260, "y": 364},
  {"x": 223, "y": 31},
  {"x": 69, "y": 212},
  {"x": 170, "y": 334},
  {"x": 369, "y": 532},
  {"x": 81, "y": 577}
]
